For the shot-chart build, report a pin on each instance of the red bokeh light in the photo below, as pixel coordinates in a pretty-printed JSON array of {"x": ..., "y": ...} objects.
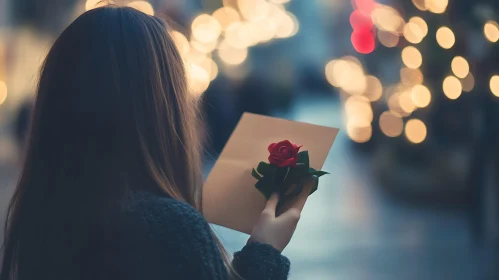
[
  {"x": 365, "y": 6},
  {"x": 363, "y": 41},
  {"x": 359, "y": 21}
]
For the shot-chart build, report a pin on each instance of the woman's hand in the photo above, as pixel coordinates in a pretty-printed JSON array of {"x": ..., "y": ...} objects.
[{"x": 277, "y": 231}]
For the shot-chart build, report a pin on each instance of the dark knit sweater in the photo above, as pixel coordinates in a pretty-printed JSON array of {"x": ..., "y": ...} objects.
[{"x": 161, "y": 238}]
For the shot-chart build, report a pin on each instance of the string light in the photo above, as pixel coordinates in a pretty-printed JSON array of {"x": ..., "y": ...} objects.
[
  {"x": 360, "y": 134},
  {"x": 3, "y": 92},
  {"x": 421, "y": 96},
  {"x": 226, "y": 16},
  {"x": 206, "y": 28},
  {"x": 391, "y": 124},
  {"x": 420, "y": 4},
  {"x": 421, "y": 23},
  {"x": 142, "y": 6},
  {"x": 468, "y": 82},
  {"x": 405, "y": 101},
  {"x": 413, "y": 33},
  {"x": 411, "y": 77},
  {"x": 445, "y": 37},
  {"x": 494, "y": 85},
  {"x": 411, "y": 57},
  {"x": 253, "y": 9},
  {"x": 374, "y": 88},
  {"x": 460, "y": 67},
  {"x": 181, "y": 42},
  {"x": 388, "y": 39},
  {"x": 491, "y": 31},
  {"x": 231, "y": 55},
  {"x": 415, "y": 131},
  {"x": 388, "y": 19},
  {"x": 452, "y": 87},
  {"x": 437, "y": 6}
]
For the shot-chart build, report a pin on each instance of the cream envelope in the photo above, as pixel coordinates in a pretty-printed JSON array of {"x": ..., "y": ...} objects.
[{"x": 230, "y": 198}]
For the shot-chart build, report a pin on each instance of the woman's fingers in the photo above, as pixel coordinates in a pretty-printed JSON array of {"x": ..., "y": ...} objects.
[{"x": 272, "y": 202}]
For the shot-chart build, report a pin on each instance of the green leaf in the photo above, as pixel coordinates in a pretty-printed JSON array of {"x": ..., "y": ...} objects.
[
  {"x": 255, "y": 174},
  {"x": 316, "y": 185},
  {"x": 303, "y": 158},
  {"x": 311, "y": 171},
  {"x": 265, "y": 186},
  {"x": 266, "y": 168},
  {"x": 320, "y": 173}
]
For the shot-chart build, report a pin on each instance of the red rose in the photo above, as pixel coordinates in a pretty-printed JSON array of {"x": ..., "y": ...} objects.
[{"x": 283, "y": 153}]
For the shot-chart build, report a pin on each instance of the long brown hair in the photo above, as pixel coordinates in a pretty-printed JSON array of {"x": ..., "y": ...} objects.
[{"x": 112, "y": 115}]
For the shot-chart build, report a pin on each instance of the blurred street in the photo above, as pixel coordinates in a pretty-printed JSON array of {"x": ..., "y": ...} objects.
[{"x": 352, "y": 230}]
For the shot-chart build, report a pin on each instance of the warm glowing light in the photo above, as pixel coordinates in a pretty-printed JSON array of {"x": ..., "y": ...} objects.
[
  {"x": 452, "y": 87},
  {"x": 445, "y": 37},
  {"x": 198, "y": 79},
  {"x": 415, "y": 131},
  {"x": 358, "y": 111},
  {"x": 287, "y": 26},
  {"x": 374, "y": 88},
  {"x": 421, "y": 96},
  {"x": 388, "y": 39},
  {"x": 330, "y": 75},
  {"x": 280, "y": 1},
  {"x": 360, "y": 21},
  {"x": 494, "y": 85},
  {"x": 388, "y": 19},
  {"x": 468, "y": 82},
  {"x": 206, "y": 28},
  {"x": 413, "y": 33},
  {"x": 237, "y": 35},
  {"x": 3, "y": 92},
  {"x": 92, "y": 4},
  {"x": 437, "y": 6},
  {"x": 204, "y": 47},
  {"x": 460, "y": 67},
  {"x": 253, "y": 9},
  {"x": 262, "y": 30},
  {"x": 391, "y": 124},
  {"x": 142, "y": 6},
  {"x": 360, "y": 134},
  {"x": 411, "y": 57},
  {"x": 411, "y": 77},
  {"x": 231, "y": 55},
  {"x": 421, "y": 23},
  {"x": 210, "y": 67},
  {"x": 181, "y": 42},
  {"x": 350, "y": 76},
  {"x": 363, "y": 41},
  {"x": 226, "y": 16},
  {"x": 420, "y": 4},
  {"x": 491, "y": 31},
  {"x": 405, "y": 101},
  {"x": 397, "y": 95}
]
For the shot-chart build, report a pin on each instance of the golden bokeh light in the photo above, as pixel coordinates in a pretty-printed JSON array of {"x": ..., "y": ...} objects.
[
  {"x": 280, "y": 1},
  {"x": 468, "y": 82},
  {"x": 360, "y": 134},
  {"x": 445, "y": 37},
  {"x": 421, "y": 96},
  {"x": 262, "y": 30},
  {"x": 237, "y": 35},
  {"x": 411, "y": 77},
  {"x": 395, "y": 92},
  {"x": 253, "y": 9},
  {"x": 388, "y": 19},
  {"x": 204, "y": 47},
  {"x": 415, "y": 131},
  {"x": 198, "y": 79},
  {"x": 330, "y": 75},
  {"x": 460, "y": 67},
  {"x": 405, "y": 101},
  {"x": 388, "y": 39},
  {"x": 230, "y": 55},
  {"x": 374, "y": 88},
  {"x": 437, "y": 6},
  {"x": 347, "y": 73},
  {"x": 210, "y": 67},
  {"x": 226, "y": 16},
  {"x": 413, "y": 33},
  {"x": 452, "y": 87},
  {"x": 287, "y": 26},
  {"x": 491, "y": 31},
  {"x": 358, "y": 111},
  {"x": 181, "y": 42},
  {"x": 420, "y": 4},
  {"x": 411, "y": 57},
  {"x": 142, "y": 6},
  {"x": 391, "y": 124},
  {"x": 93, "y": 4},
  {"x": 421, "y": 23},
  {"x": 3, "y": 92},
  {"x": 206, "y": 28},
  {"x": 494, "y": 85}
]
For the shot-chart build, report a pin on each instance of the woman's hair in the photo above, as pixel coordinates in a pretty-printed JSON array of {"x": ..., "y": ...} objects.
[{"x": 112, "y": 115}]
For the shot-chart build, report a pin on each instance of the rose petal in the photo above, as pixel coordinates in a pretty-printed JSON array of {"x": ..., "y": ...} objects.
[
  {"x": 271, "y": 146},
  {"x": 288, "y": 162}
]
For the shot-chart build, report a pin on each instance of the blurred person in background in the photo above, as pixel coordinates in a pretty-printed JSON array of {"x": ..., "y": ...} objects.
[{"x": 110, "y": 187}]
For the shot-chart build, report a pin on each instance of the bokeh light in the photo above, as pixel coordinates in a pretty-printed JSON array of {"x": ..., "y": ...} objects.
[
  {"x": 494, "y": 85},
  {"x": 468, "y": 82},
  {"x": 360, "y": 134},
  {"x": 181, "y": 42},
  {"x": 405, "y": 101},
  {"x": 347, "y": 73},
  {"x": 421, "y": 96},
  {"x": 237, "y": 33},
  {"x": 395, "y": 94},
  {"x": 374, "y": 88},
  {"x": 253, "y": 9},
  {"x": 206, "y": 28},
  {"x": 388, "y": 19},
  {"x": 436, "y": 6},
  {"x": 421, "y": 23},
  {"x": 445, "y": 37},
  {"x": 411, "y": 57},
  {"x": 3, "y": 92},
  {"x": 452, "y": 87},
  {"x": 415, "y": 131},
  {"x": 280, "y": 1},
  {"x": 360, "y": 21},
  {"x": 204, "y": 47},
  {"x": 230, "y": 55},
  {"x": 388, "y": 39},
  {"x": 420, "y": 4},
  {"x": 226, "y": 16},
  {"x": 92, "y": 4},
  {"x": 142, "y": 6},
  {"x": 358, "y": 111},
  {"x": 411, "y": 77},
  {"x": 391, "y": 124},
  {"x": 286, "y": 25},
  {"x": 363, "y": 41},
  {"x": 198, "y": 79},
  {"x": 413, "y": 33},
  {"x": 491, "y": 31},
  {"x": 460, "y": 67}
]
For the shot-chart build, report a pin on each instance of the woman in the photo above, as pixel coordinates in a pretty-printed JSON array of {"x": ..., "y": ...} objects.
[{"x": 110, "y": 187}]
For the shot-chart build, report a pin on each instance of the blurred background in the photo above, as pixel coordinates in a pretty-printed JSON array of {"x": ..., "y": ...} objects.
[{"x": 412, "y": 85}]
